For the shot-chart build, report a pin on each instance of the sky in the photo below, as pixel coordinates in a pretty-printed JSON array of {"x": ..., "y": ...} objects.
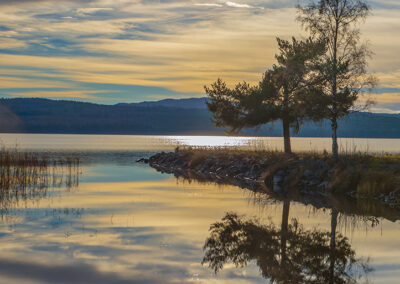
[{"x": 110, "y": 51}]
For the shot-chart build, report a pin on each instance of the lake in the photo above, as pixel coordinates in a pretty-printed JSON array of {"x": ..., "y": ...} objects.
[
  {"x": 124, "y": 222},
  {"x": 68, "y": 142}
]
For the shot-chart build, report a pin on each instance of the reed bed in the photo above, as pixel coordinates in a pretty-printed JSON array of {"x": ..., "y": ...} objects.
[{"x": 25, "y": 175}]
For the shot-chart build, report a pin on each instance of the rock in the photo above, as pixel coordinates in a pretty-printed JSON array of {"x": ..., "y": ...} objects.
[
  {"x": 142, "y": 160},
  {"x": 314, "y": 182},
  {"x": 279, "y": 177},
  {"x": 308, "y": 173},
  {"x": 279, "y": 190},
  {"x": 324, "y": 185}
]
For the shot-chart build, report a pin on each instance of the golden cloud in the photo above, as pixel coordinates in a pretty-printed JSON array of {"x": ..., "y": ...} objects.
[{"x": 234, "y": 44}]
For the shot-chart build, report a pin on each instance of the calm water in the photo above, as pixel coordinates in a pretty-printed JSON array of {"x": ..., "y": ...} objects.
[
  {"x": 126, "y": 223},
  {"x": 52, "y": 142}
]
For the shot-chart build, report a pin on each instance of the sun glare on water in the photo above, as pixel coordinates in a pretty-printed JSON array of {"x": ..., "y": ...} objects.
[{"x": 211, "y": 141}]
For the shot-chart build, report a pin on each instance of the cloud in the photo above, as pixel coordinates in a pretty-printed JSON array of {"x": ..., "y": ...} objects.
[
  {"x": 385, "y": 4},
  {"x": 24, "y": 2},
  {"x": 384, "y": 110},
  {"x": 85, "y": 11},
  {"x": 387, "y": 100},
  {"x": 176, "y": 45},
  {"x": 11, "y": 43},
  {"x": 237, "y": 5},
  {"x": 57, "y": 94},
  {"x": 387, "y": 97},
  {"x": 8, "y": 82},
  {"x": 50, "y": 273},
  {"x": 173, "y": 59},
  {"x": 228, "y": 3},
  {"x": 208, "y": 4},
  {"x": 390, "y": 79}
]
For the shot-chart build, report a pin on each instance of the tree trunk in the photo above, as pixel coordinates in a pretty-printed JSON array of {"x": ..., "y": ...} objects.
[
  {"x": 332, "y": 246},
  {"x": 334, "y": 118},
  {"x": 286, "y": 136},
  {"x": 284, "y": 236},
  {"x": 335, "y": 147},
  {"x": 284, "y": 227}
]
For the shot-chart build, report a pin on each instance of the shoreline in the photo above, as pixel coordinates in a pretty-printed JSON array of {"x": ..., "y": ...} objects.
[{"x": 304, "y": 177}]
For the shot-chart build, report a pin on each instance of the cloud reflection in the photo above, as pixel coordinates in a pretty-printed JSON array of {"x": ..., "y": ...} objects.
[{"x": 145, "y": 232}]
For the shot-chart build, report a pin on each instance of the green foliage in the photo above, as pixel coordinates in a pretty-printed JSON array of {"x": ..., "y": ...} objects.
[
  {"x": 238, "y": 107},
  {"x": 279, "y": 96}
]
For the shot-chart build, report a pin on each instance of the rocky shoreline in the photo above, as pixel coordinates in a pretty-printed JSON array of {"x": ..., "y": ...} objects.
[
  {"x": 212, "y": 170},
  {"x": 284, "y": 176}
]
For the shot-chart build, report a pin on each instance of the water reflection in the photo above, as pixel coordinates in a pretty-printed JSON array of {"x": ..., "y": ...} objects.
[
  {"x": 126, "y": 223},
  {"x": 289, "y": 254},
  {"x": 353, "y": 210},
  {"x": 23, "y": 185}
]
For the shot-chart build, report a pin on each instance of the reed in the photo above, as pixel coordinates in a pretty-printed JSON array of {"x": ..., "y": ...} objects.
[{"x": 25, "y": 175}]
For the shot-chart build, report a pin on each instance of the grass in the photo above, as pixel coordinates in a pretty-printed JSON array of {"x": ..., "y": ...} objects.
[
  {"x": 27, "y": 175},
  {"x": 201, "y": 152},
  {"x": 366, "y": 174}
]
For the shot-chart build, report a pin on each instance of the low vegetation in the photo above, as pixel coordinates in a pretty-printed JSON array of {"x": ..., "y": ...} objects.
[
  {"x": 357, "y": 174},
  {"x": 24, "y": 175},
  {"x": 367, "y": 175}
]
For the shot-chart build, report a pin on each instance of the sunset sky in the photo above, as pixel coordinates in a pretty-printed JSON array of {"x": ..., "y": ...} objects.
[{"x": 109, "y": 51}]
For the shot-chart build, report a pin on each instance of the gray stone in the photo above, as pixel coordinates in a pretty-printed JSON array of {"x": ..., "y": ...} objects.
[
  {"x": 308, "y": 173},
  {"x": 324, "y": 185},
  {"x": 278, "y": 179}
]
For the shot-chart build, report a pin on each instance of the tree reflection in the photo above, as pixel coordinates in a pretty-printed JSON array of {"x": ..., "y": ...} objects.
[{"x": 289, "y": 254}]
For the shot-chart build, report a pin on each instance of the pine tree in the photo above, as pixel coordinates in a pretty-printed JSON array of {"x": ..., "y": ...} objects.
[{"x": 279, "y": 96}]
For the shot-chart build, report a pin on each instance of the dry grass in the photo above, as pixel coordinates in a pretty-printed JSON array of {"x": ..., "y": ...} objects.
[
  {"x": 367, "y": 174},
  {"x": 197, "y": 159},
  {"x": 230, "y": 151},
  {"x": 28, "y": 175}
]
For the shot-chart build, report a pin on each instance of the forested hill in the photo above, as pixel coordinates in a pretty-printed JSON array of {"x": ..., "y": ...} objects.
[
  {"x": 51, "y": 116},
  {"x": 188, "y": 116},
  {"x": 198, "y": 103}
]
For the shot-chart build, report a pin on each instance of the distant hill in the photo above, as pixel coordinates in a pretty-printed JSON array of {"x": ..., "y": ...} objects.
[
  {"x": 50, "y": 116},
  {"x": 181, "y": 117},
  {"x": 194, "y": 103}
]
